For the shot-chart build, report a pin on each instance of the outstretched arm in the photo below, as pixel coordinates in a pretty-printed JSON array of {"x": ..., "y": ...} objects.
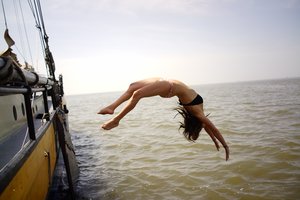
[{"x": 215, "y": 134}]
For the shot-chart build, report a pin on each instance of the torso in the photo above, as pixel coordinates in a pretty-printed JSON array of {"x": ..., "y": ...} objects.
[
  {"x": 183, "y": 92},
  {"x": 186, "y": 95}
]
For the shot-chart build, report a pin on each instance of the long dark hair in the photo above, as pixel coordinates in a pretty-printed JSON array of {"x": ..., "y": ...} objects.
[{"x": 191, "y": 125}]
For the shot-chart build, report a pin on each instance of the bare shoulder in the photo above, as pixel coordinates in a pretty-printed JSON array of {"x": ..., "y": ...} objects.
[{"x": 183, "y": 92}]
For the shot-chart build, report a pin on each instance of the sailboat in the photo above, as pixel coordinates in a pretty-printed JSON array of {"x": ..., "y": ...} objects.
[{"x": 34, "y": 131}]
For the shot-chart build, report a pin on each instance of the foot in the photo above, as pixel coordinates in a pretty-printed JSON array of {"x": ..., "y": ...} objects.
[
  {"x": 110, "y": 124},
  {"x": 105, "y": 111}
]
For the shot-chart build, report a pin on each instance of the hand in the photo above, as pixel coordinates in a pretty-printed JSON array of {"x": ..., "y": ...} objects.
[
  {"x": 226, "y": 151},
  {"x": 218, "y": 146},
  {"x": 215, "y": 140},
  {"x": 214, "y": 134}
]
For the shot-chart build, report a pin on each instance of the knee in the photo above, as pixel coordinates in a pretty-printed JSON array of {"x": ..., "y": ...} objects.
[
  {"x": 131, "y": 88},
  {"x": 132, "y": 84},
  {"x": 137, "y": 95}
]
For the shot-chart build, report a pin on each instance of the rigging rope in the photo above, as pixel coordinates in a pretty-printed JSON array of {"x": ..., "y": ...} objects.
[
  {"x": 36, "y": 10},
  {"x": 25, "y": 30},
  {"x": 4, "y": 15},
  {"x": 44, "y": 37},
  {"x": 37, "y": 25},
  {"x": 42, "y": 18},
  {"x": 32, "y": 10},
  {"x": 37, "y": 16},
  {"x": 19, "y": 30}
]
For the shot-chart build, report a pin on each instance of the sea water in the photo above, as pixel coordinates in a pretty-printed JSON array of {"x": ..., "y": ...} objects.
[{"x": 147, "y": 157}]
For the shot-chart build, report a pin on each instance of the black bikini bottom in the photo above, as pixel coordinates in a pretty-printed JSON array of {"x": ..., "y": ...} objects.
[{"x": 198, "y": 100}]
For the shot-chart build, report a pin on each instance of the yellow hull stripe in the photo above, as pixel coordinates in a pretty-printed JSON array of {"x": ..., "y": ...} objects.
[{"x": 32, "y": 180}]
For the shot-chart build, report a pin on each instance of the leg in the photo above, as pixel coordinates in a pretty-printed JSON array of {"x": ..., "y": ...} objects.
[
  {"x": 153, "y": 89},
  {"x": 124, "y": 97}
]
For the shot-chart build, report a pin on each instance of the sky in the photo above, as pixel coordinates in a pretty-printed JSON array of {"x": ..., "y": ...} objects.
[{"x": 104, "y": 45}]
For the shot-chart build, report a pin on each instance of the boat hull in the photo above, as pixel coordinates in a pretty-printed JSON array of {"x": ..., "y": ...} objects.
[
  {"x": 34, "y": 177},
  {"x": 33, "y": 130}
]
